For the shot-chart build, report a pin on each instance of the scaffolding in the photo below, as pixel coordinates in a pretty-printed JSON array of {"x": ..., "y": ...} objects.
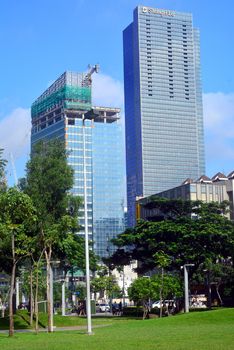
[{"x": 69, "y": 97}]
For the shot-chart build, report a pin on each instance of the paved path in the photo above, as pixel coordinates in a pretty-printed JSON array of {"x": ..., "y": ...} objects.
[{"x": 56, "y": 329}]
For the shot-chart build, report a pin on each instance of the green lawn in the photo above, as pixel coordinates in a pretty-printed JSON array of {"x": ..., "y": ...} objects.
[{"x": 211, "y": 330}]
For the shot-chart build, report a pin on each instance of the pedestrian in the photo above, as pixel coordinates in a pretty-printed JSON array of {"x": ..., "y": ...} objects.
[{"x": 120, "y": 308}]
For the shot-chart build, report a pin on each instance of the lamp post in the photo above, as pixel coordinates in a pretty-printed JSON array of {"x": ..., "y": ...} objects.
[
  {"x": 186, "y": 293},
  {"x": 63, "y": 298},
  {"x": 88, "y": 302}
]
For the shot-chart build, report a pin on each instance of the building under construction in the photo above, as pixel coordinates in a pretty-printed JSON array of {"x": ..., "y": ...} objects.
[{"x": 92, "y": 135}]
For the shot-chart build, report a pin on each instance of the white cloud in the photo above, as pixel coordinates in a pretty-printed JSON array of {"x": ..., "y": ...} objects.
[
  {"x": 107, "y": 92},
  {"x": 219, "y": 130},
  {"x": 15, "y": 133}
]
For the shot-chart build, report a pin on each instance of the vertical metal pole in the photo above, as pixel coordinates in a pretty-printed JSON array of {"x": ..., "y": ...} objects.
[
  {"x": 52, "y": 298},
  {"x": 63, "y": 298},
  {"x": 88, "y": 306},
  {"x": 186, "y": 296},
  {"x": 123, "y": 289}
]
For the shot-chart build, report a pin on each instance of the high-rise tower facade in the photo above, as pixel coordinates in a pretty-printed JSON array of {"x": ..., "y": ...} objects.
[
  {"x": 93, "y": 137},
  {"x": 163, "y": 103}
]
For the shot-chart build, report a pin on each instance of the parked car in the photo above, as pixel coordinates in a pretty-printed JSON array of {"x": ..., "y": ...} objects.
[
  {"x": 156, "y": 304},
  {"x": 103, "y": 307}
]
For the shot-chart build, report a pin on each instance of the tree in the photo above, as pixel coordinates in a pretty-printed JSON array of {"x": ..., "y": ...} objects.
[
  {"x": 106, "y": 285},
  {"x": 161, "y": 261},
  {"x": 182, "y": 238},
  {"x": 219, "y": 275},
  {"x": 48, "y": 181},
  {"x": 144, "y": 289},
  {"x": 17, "y": 216},
  {"x": 3, "y": 163}
]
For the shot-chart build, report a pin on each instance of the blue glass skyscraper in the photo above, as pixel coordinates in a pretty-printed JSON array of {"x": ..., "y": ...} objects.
[
  {"x": 65, "y": 111},
  {"x": 163, "y": 103}
]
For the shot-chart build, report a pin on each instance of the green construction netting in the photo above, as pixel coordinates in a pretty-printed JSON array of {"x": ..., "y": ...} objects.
[{"x": 73, "y": 97}]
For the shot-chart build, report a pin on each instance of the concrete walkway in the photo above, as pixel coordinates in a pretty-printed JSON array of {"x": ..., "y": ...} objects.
[{"x": 56, "y": 329}]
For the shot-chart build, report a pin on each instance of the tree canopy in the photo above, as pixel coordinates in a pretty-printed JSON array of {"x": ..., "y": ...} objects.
[{"x": 207, "y": 234}]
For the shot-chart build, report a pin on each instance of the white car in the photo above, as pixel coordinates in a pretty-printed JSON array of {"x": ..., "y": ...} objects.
[
  {"x": 103, "y": 307},
  {"x": 156, "y": 304}
]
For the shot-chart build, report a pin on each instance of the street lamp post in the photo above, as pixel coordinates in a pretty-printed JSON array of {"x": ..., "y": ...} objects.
[
  {"x": 88, "y": 302},
  {"x": 63, "y": 298},
  {"x": 186, "y": 289}
]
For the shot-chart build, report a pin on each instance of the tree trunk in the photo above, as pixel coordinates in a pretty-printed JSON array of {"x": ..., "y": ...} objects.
[
  {"x": 219, "y": 296},
  {"x": 36, "y": 302},
  {"x": 145, "y": 310},
  {"x": 12, "y": 286},
  {"x": 31, "y": 297},
  {"x": 208, "y": 290},
  {"x": 48, "y": 289},
  {"x": 3, "y": 310}
]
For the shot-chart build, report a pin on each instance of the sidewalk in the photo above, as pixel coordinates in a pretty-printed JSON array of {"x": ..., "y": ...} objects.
[{"x": 56, "y": 329}]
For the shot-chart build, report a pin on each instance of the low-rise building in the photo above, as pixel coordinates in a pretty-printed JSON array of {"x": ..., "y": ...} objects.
[{"x": 219, "y": 188}]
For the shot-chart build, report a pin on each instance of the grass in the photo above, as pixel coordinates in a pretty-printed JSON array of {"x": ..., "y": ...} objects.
[
  {"x": 22, "y": 321},
  {"x": 211, "y": 330},
  {"x": 19, "y": 323}
]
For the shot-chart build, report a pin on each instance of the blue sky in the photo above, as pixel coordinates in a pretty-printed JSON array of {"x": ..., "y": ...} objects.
[{"x": 42, "y": 39}]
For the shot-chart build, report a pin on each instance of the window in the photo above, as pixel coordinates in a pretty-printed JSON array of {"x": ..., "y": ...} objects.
[
  {"x": 193, "y": 188},
  {"x": 71, "y": 121},
  {"x": 203, "y": 188}
]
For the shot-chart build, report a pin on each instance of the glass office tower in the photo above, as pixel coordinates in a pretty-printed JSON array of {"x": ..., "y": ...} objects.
[
  {"x": 163, "y": 103},
  {"x": 65, "y": 111}
]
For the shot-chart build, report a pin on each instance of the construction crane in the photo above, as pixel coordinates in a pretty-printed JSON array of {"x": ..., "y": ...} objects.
[{"x": 87, "y": 81}]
